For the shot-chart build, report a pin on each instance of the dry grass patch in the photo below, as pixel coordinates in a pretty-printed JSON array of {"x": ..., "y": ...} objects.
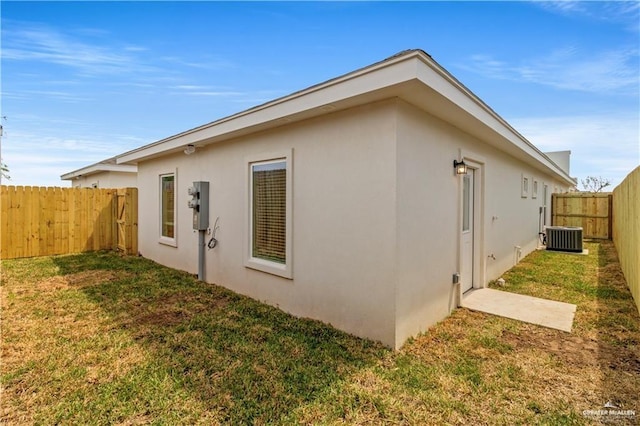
[
  {"x": 99, "y": 338},
  {"x": 53, "y": 343},
  {"x": 602, "y": 354}
]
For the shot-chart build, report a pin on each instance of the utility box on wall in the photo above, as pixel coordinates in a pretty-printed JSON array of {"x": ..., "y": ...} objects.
[{"x": 199, "y": 202}]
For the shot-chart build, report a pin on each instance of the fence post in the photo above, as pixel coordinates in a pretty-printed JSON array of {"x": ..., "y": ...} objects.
[
  {"x": 132, "y": 220},
  {"x": 611, "y": 219},
  {"x": 126, "y": 220}
]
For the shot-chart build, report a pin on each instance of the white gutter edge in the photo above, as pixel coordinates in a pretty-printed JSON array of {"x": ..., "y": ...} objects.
[{"x": 99, "y": 167}]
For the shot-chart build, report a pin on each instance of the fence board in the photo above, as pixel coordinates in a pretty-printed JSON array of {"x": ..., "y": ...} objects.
[
  {"x": 126, "y": 211},
  {"x": 4, "y": 216},
  {"x": 626, "y": 230},
  {"x": 590, "y": 211},
  {"x": 50, "y": 210},
  {"x": 19, "y": 234},
  {"x": 39, "y": 221}
]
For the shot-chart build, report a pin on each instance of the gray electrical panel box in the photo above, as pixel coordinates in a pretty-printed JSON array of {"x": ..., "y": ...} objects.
[{"x": 199, "y": 202}]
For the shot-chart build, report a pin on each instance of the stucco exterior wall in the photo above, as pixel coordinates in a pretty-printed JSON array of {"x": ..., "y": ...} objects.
[
  {"x": 376, "y": 216},
  {"x": 512, "y": 221},
  {"x": 429, "y": 215},
  {"x": 106, "y": 179},
  {"x": 344, "y": 215},
  {"x": 427, "y": 223}
]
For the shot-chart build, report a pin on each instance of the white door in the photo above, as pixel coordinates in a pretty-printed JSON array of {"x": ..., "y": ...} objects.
[{"x": 467, "y": 234}]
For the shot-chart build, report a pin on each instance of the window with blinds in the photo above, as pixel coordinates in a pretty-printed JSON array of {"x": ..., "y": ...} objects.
[
  {"x": 269, "y": 211},
  {"x": 167, "y": 209}
]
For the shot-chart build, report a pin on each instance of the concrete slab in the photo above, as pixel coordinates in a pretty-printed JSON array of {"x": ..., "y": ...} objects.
[{"x": 548, "y": 313}]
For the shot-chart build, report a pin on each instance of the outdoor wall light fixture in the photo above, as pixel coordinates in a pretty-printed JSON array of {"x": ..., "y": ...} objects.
[
  {"x": 460, "y": 167},
  {"x": 190, "y": 149}
]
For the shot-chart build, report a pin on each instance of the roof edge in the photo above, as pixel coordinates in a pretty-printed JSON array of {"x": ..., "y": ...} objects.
[
  {"x": 173, "y": 143},
  {"x": 98, "y": 168},
  {"x": 131, "y": 157}
]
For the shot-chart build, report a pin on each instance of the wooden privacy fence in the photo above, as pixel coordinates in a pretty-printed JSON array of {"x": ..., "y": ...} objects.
[
  {"x": 591, "y": 211},
  {"x": 126, "y": 217},
  {"x": 39, "y": 221},
  {"x": 626, "y": 230}
]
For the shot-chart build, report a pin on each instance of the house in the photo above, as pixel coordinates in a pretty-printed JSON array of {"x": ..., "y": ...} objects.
[
  {"x": 561, "y": 158},
  {"x": 105, "y": 174},
  {"x": 348, "y": 202}
]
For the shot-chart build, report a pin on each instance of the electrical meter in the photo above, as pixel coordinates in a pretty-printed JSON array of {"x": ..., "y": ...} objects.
[{"x": 199, "y": 202}]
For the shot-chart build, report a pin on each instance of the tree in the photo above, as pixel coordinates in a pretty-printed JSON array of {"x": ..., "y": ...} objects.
[
  {"x": 4, "y": 170},
  {"x": 594, "y": 184}
]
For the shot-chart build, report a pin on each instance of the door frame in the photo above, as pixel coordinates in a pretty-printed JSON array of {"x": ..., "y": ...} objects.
[{"x": 476, "y": 162}]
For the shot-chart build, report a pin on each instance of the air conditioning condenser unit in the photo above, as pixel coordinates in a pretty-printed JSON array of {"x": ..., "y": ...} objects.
[{"x": 564, "y": 238}]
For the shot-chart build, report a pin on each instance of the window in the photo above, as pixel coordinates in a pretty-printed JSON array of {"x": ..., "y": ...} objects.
[
  {"x": 269, "y": 211},
  {"x": 534, "y": 194},
  {"x": 167, "y": 209},
  {"x": 466, "y": 202},
  {"x": 269, "y": 241},
  {"x": 525, "y": 187}
]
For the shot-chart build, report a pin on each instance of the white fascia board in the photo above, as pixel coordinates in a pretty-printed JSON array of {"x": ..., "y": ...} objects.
[
  {"x": 99, "y": 168},
  {"x": 436, "y": 77},
  {"x": 383, "y": 77},
  {"x": 367, "y": 80}
]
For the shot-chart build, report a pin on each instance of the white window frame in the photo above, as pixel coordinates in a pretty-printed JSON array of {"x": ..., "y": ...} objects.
[
  {"x": 524, "y": 187},
  {"x": 534, "y": 190},
  {"x": 284, "y": 270},
  {"x": 173, "y": 242},
  {"x": 545, "y": 203}
]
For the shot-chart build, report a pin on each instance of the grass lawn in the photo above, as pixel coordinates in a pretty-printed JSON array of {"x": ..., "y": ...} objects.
[{"x": 103, "y": 339}]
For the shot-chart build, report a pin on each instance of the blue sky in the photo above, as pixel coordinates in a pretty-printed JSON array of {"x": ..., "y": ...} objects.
[{"x": 82, "y": 82}]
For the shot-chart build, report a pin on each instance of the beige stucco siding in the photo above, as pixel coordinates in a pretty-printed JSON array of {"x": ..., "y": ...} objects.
[
  {"x": 427, "y": 222},
  {"x": 376, "y": 216},
  {"x": 429, "y": 214},
  {"x": 373, "y": 238},
  {"x": 512, "y": 220},
  {"x": 343, "y": 217}
]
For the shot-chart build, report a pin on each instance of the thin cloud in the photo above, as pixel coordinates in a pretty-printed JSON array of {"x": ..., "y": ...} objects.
[
  {"x": 43, "y": 44},
  {"x": 55, "y": 94},
  {"x": 215, "y": 93},
  {"x": 223, "y": 92},
  {"x": 28, "y": 158},
  {"x": 562, "y": 6},
  {"x": 567, "y": 69},
  {"x": 203, "y": 90},
  {"x": 95, "y": 55},
  {"x": 135, "y": 49},
  {"x": 57, "y": 140},
  {"x": 206, "y": 63},
  {"x": 28, "y": 144},
  {"x": 35, "y": 159},
  {"x": 626, "y": 13},
  {"x": 601, "y": 145}
]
